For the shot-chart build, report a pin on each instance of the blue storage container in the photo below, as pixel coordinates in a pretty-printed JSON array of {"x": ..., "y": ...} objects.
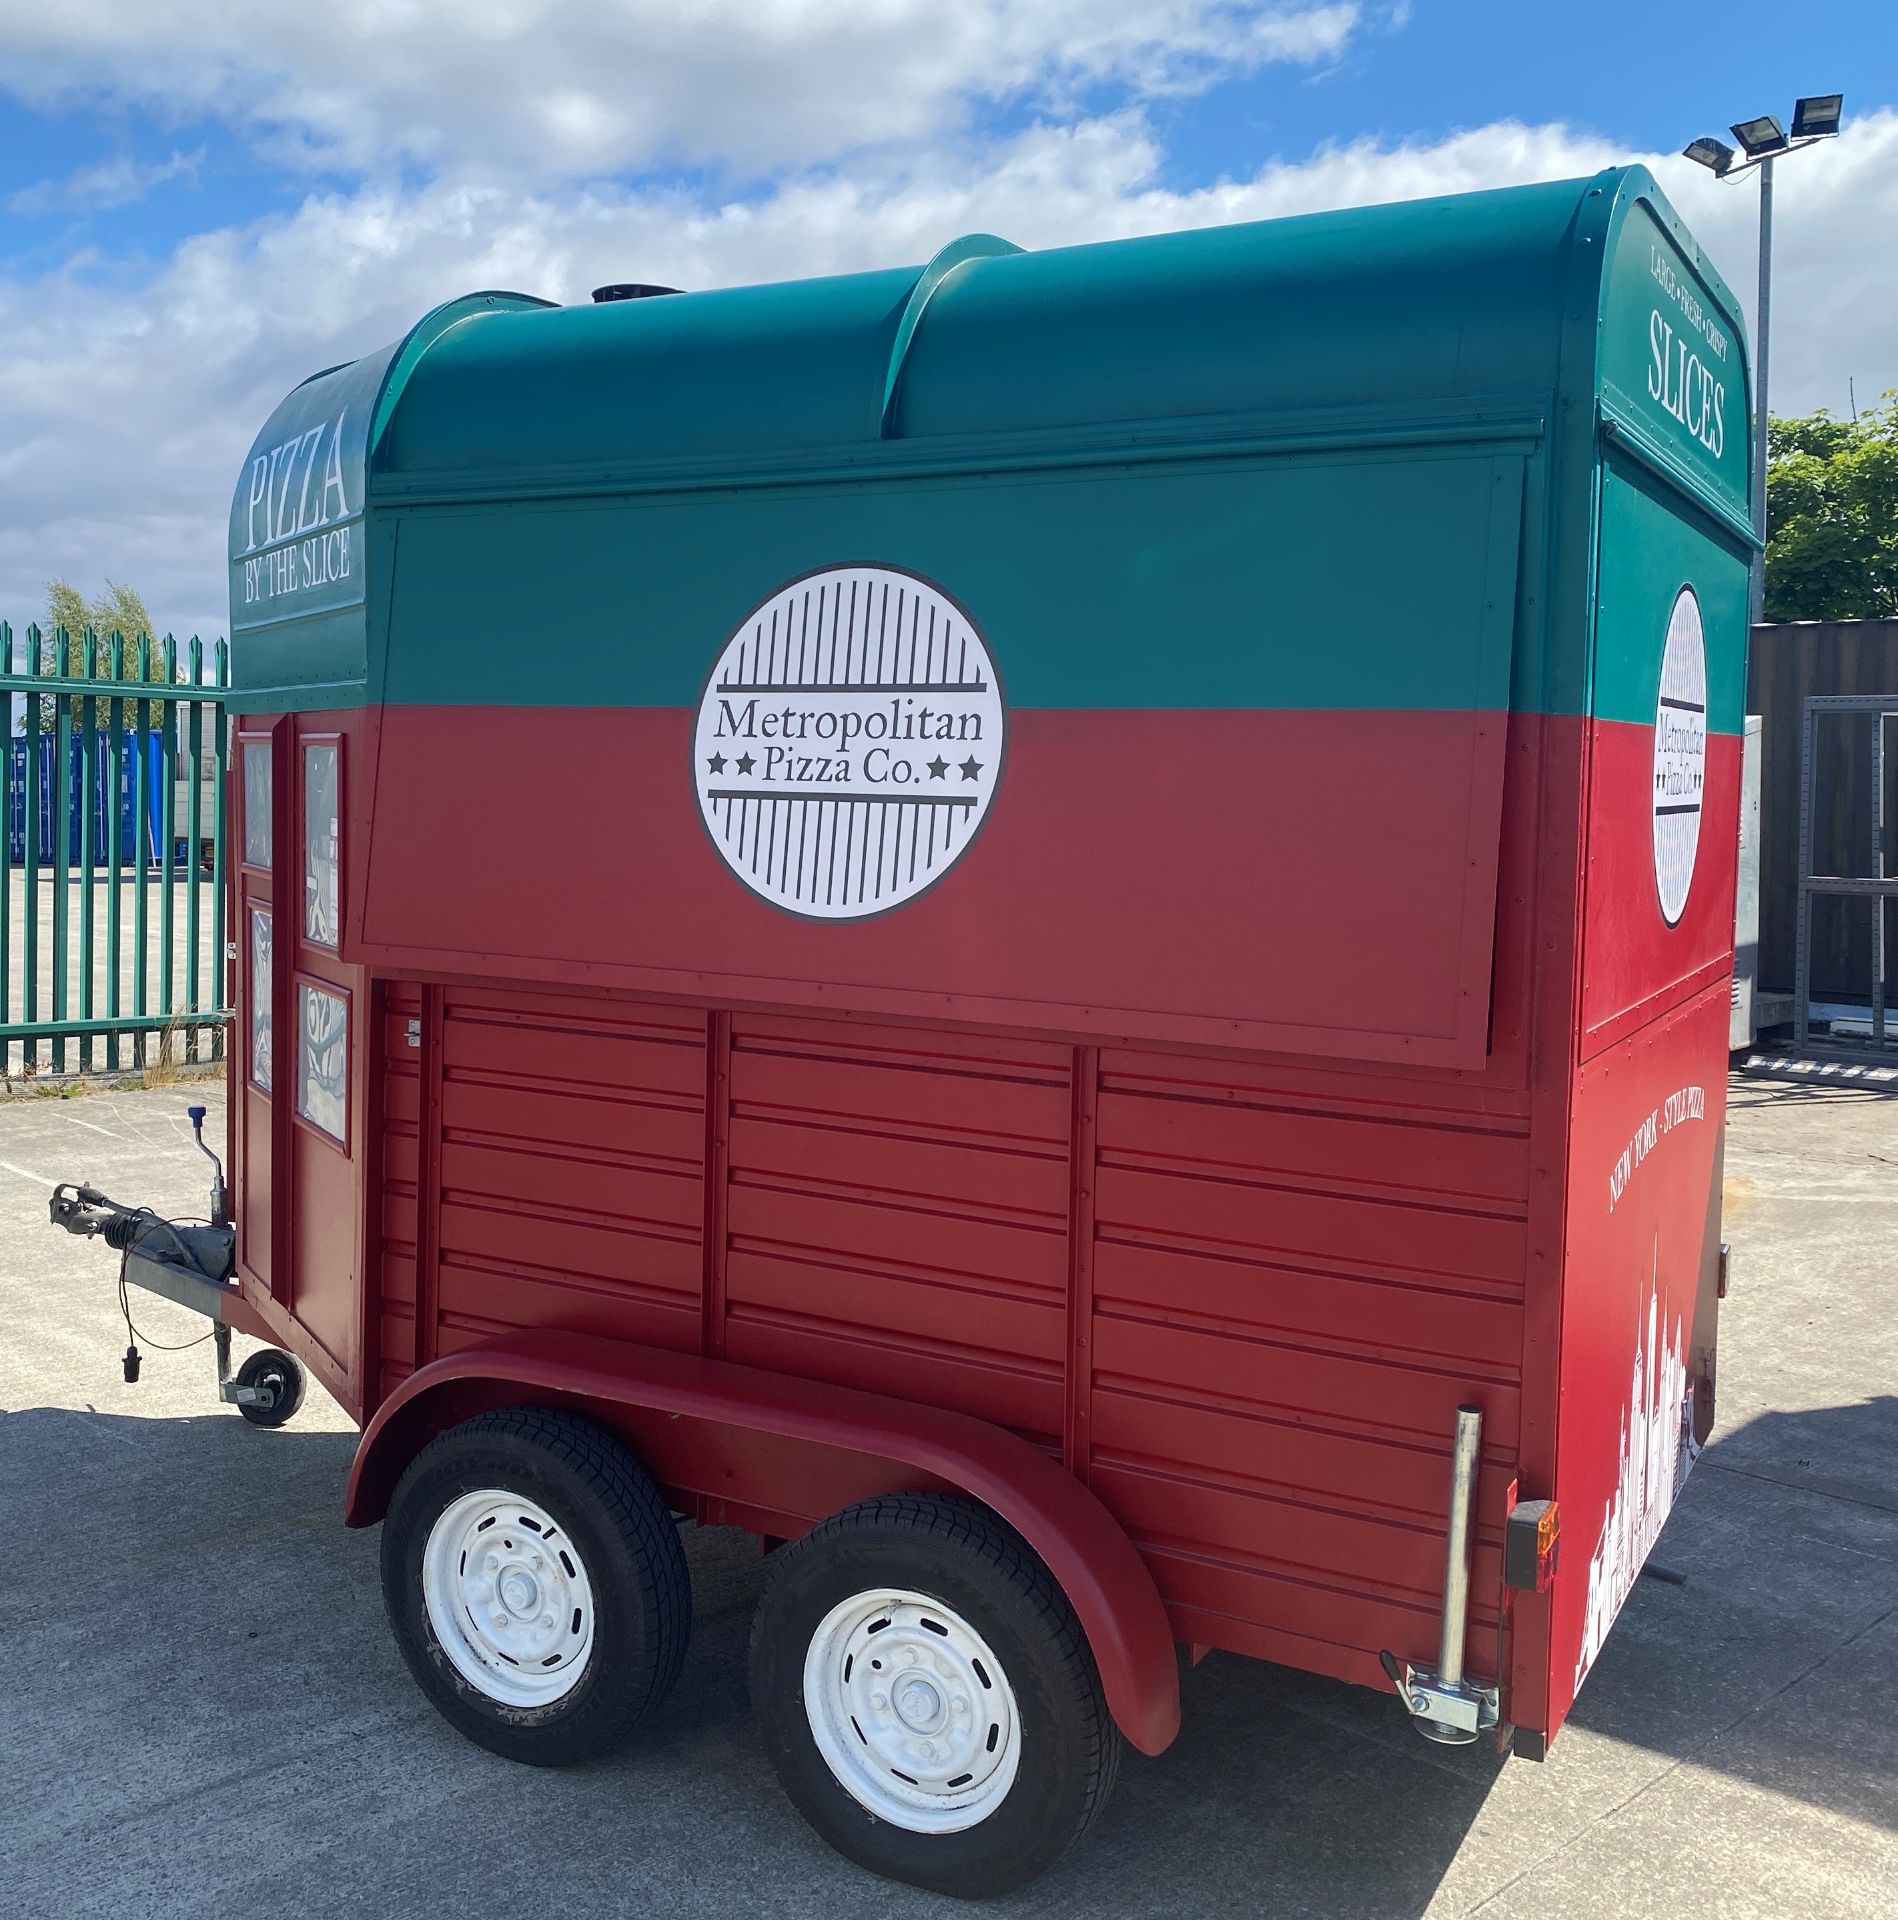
[{"x": 144, "y": 753}]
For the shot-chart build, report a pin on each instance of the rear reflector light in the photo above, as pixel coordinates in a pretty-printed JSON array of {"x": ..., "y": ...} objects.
[{"x": 1531, "y": 1543}]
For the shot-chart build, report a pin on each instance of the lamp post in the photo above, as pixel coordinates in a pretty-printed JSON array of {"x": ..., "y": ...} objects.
[{"x": 1763, "y": 141}]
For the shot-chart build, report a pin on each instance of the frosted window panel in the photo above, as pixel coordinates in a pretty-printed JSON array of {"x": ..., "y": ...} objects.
[
  {"x": 257, "y": 803},
  {"x": 260, "y": 1000},
  {"x": 320, "y": 850},
  {"x": 323, "y": 1060}
]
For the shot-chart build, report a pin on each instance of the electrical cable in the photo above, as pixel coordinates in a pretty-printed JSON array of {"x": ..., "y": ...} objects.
[{"x": 151, "y": 1221}]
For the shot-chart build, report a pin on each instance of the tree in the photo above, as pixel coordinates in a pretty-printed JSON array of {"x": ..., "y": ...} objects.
[
  {"x": 119, "y": 610},
  {"x": 1832, "y": 516}
]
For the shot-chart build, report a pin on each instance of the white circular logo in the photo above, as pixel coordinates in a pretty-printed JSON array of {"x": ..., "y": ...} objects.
[
  {"x": 1680, "y": 755},
  {"x": 848, "y": 743}
]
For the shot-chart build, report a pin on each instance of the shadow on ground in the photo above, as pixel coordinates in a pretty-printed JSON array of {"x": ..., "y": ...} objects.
[
  {"x": 1751, "y": 1089},
  {"x": 209, "y": 1674},
  {"x": 1770, "y": 1650},
  {"x": 206, "y": 1676}
]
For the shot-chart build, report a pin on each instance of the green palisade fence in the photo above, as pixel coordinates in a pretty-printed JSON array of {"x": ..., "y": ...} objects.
[{"x": 112, "y": 853}]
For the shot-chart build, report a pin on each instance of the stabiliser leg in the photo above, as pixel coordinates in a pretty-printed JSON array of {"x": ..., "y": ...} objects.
[{"x": 1443, "y": 1705}]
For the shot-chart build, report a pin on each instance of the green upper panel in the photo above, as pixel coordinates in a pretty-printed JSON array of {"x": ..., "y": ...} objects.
[
  {"x": 1673, "y": 372},
  {"x": 999, "y": 417},
  {"x": 298, "y": 537}
]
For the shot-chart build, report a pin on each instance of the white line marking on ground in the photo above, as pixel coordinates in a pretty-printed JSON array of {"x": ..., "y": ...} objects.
[
  {"x": 74, "y": 1120},
  {"x": 38, "y": 1179},
  {"x": 102, "y": 1424}
]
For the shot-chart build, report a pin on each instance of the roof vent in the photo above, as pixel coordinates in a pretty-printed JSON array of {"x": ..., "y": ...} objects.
[{"x": 629, "y": 290}]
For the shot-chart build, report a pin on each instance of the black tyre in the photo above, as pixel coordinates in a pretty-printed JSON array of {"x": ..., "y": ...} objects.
[
  {"x": 927, "y": 1697},
  {"x": 271, "y": 1371},
  {"x": 536, "y": 1584}
]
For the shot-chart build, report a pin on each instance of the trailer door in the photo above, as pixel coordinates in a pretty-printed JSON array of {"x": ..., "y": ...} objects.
[
  {"x": 325, "y": 1014},
  {"x": 294, "y": 1127}
]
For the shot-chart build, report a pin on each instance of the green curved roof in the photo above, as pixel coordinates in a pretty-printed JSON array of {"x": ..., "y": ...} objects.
[
  {"x": 1431, "y": 299},
  {"x": 1419, "y": 302},
  {"x": 1520, "y": 310},
  {"x": 748, "y": 369}
]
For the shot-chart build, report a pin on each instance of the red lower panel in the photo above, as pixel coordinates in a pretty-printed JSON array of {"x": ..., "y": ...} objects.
[
  {"x": 1241, "y": 1296},
  {"x": 1315, "y": 882}
]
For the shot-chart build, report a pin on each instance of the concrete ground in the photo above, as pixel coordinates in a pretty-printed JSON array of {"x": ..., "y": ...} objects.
[
  {"x": 78, "y": 896},
  {"x": 202, "y": 1713}
]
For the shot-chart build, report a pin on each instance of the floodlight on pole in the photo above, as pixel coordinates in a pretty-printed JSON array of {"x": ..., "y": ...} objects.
[
  {"x": 1760, "y": 137},
  {"x": 1763, "y": 140},
  {"x": 1816, "y": 117}
]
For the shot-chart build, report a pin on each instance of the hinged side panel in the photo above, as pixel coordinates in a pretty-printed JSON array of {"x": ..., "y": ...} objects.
[{"x": 1202, "y": 752}]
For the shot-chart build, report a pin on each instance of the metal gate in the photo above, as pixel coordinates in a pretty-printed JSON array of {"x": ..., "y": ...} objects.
[
  {"x": 112, "y": 853},
  {"x": 1878, "y": 886}
]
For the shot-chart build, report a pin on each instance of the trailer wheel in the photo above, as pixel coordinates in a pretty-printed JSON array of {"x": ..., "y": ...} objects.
[
  {"x": 275, "y": 1372},
  {"x": 927, "y": 1697},
  {"x": 536, "y": 1584}
]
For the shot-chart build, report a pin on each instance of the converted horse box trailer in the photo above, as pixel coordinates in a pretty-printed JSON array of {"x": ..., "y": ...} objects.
[{"x": 1055, "y": 928}]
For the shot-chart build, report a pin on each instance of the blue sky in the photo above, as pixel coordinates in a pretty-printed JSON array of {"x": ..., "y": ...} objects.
[
  {"x": 1649, "y": 77},
  {"x": 203, "y": 200},
  {"x": 1646, "y": 76}
]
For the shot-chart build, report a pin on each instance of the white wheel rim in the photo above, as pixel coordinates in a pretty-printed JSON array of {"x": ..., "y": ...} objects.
[
  {"x": 508, "y": 1597},
  {"x": 912, "y": 1711}
]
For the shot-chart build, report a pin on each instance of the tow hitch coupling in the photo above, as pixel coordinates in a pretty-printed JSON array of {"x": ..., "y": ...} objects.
[{"x": 193, "y": 1267}]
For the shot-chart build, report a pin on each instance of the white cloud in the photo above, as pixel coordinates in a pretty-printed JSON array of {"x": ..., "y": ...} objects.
[
  {"x": 124, "y": 414},
  {"x": 119, "y": 182},
  {"x": 545, "y": 90}
]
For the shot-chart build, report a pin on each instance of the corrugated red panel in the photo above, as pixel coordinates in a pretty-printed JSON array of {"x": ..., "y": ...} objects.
[
  {"x": 571, "y": 1160},
  {"x": 1292, "y": 1294},
  {"x": 897, "y": 1213}
]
